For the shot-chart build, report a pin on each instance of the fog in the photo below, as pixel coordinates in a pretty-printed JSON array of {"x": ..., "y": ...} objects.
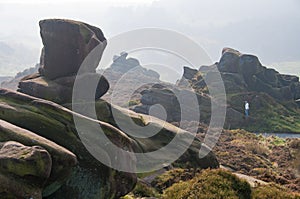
[{"x": 266, "y": 28}]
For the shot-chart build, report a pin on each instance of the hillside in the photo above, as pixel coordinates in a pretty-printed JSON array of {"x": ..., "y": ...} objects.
[{"x": 272, "y": 96}]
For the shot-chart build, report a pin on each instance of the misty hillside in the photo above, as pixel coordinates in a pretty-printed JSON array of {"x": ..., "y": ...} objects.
[{"x": 16, "y": 56}]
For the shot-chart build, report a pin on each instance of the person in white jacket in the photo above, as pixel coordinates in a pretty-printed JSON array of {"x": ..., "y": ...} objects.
[{"x": 247, "y": 109}]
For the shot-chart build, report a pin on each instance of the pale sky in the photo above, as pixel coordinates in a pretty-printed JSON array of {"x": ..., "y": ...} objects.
[{"x": 267, "y": 28}]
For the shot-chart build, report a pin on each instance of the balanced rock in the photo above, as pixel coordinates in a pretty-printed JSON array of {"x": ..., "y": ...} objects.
[
  {"x": 66, "y": 44},
  {"x": 123, "y": 64}
]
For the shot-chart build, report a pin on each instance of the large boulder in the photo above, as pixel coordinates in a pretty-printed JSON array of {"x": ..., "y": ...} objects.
[
  {"x": 168, "y": 98},
  {"x": 66, "y": 45},
  {"x": 90, "y": 178},
  {"x": 189, "y": 73},
  {"x": 229, "y": 60},
  {"x": 31, "y": 164},
  {"x": 40, "y": 167},
  {"x": 60, "y": 90}
]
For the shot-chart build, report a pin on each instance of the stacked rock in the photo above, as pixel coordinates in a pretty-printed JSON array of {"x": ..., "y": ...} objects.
[{"x": 66, "y": 46}]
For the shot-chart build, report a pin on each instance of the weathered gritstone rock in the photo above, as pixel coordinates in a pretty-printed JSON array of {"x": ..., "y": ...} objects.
[
  {"x": 167, "y": 97},
  {"x": 31, "y": 169},
  {"x": 22, "y": 163},
  {"x": 56, "y": 123},
  {"x": 107, "y": 112},
  {"x": 90, "y": 178},
  {"x": 246, "y": 72},
  {"x": 123, "y": 64},
  {"x": 272, "y": 96},
  {"x": 124, "y": 75},
  {"x": 66, "y": 45},
  {"x": 60, "y": 90}
]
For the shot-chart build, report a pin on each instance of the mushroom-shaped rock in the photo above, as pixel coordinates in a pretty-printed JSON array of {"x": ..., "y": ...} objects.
[{"x": 66, "y": 44}]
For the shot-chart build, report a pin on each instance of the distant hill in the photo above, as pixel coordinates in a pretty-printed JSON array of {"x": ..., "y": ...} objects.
[
  {"x": 12, "y": 82},
  {"x": 5, "y": 78},
  {"x": 15, "y": 57}
]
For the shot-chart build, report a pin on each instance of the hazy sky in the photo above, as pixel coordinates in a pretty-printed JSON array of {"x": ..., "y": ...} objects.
[{"x": 267, "y": 28}]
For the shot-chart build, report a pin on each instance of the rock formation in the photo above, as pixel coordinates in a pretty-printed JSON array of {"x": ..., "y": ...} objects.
[
  {"x": 66, "y": 44},
  {"x": 123, "y": 75},
  {"x": 250, "y": 75},
  {"x": 41, "y": 139},
  {"x": 167, "y": 96},
  {"x": 90, "y": 178},
  {"x": 31, "y": 166},
  {"x": 123, "y": 64},
  {"x": 22, "y": 161},
  {"x": 271, "y": 94},
  {"x": 56, "y": 123}
]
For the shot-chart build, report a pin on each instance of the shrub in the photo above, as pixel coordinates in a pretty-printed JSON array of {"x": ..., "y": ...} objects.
[
  {"x": 210, "y": 184},
  {"x": 273, "y": 191},
  {"x": 277, "y": 141},
  {"x": 295, "y": 143},
  {"x": 170, "y": 177},
  {"x": 142, "y": 190},
  {"x": 133, "y": 103},
  {"x": 257, "y": 148}
]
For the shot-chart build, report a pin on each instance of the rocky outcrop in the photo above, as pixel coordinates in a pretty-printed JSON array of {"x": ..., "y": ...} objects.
[
  {"x": 125, "y": 75},
  {"x": 163, "y": 96},
  {"x": 97, "y": 180},
  {"x": 46, "y": 134},
  {"x": 90, "y": 178},
  {"x": 123, "y": 64},
  {"x": 31, "y": 166},
  {"x": 66, "y": 44},
  {"x": 270, "y": 94},
  {"x": 168, "y": 97},
  {"x": 247, "y": 72},
  {"x": 118, "y": 116}
]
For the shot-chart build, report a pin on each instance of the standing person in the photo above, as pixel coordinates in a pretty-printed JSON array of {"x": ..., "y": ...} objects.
[{"x": 246, "y": 109}]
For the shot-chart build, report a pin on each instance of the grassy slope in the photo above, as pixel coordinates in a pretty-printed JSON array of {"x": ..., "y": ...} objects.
[
  {"x": 267, "y": 114},
  {"x": 272, "y": 159}
]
